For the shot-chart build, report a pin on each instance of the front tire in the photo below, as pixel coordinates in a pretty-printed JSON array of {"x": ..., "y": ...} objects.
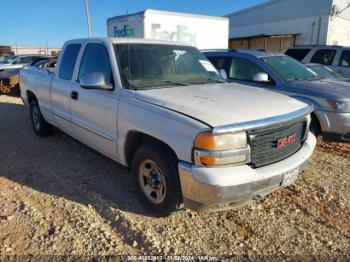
[
  {"x": 40, "y": 126},
  {"x": 155, "y": 172},
  {"x": 314, "y": 126}
]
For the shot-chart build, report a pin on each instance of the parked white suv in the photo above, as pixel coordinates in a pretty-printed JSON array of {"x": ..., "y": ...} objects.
[
  {"x": 336, "y": 57},
  {"x": 161, "y": 109}
]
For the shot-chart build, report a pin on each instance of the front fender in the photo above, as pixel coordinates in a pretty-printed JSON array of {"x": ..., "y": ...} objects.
[{"x": 174, "y": 129}]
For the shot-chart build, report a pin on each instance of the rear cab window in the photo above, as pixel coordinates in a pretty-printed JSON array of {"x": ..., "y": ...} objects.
[
  {"x": 324, "y": 56},
  {"x": 299, "y": 53},
  {"x": 68, "y": 61},
  {"x": 344, "y": 59}
]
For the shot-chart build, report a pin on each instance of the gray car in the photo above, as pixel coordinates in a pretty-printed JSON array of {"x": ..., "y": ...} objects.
[{"x": 283, "y": 74}]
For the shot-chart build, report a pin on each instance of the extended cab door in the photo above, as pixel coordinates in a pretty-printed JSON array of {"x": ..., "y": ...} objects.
[
  {"x": 61, "y": 88},
  {"x": 94, "y": 111}
]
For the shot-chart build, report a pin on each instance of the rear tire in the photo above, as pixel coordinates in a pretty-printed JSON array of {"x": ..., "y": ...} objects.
[
  {"x": 155, "y": 172},
  {"x": 40, "y": 126}
]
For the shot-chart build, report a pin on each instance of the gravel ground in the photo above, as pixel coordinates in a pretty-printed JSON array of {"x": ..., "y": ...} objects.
[{"x": 58, "y": 197}]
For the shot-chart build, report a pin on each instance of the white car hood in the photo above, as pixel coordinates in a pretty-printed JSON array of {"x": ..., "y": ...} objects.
[{"x": 221, "y": 104}]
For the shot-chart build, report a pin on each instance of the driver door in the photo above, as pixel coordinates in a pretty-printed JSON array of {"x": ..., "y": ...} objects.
[{"x": 94, "y": 111}]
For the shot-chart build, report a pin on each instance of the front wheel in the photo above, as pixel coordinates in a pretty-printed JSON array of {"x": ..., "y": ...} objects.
[
  {"x": 39, "y": 124},
  {"x": 155, "y": 173},
  {"x": 314, "y": 126}
]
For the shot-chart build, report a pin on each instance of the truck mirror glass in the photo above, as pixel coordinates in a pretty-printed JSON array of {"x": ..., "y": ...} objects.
[{"x": 95, "y": 80}]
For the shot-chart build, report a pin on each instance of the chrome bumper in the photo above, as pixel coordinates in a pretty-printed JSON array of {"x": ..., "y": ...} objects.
[{"x": 206, "y": 189}]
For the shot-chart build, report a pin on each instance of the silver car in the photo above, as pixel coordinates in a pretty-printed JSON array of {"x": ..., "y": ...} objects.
[{"x": 335, "y": 57}]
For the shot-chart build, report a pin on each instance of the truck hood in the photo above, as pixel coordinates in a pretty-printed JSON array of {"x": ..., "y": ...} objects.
[
  {"x": 325, "y": 88},
  {"x": 221, "y": 104}
]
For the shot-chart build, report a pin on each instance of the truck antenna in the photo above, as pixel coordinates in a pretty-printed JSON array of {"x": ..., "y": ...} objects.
[{"x": 88, "y": 17}]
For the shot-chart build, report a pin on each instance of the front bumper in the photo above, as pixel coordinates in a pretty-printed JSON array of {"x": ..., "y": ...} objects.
[
  {"x": 206, "y": 189},
  {"x": 335, "y": 126}
]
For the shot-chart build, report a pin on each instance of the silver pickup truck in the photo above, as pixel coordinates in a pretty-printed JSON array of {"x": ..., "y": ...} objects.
[{"x": 161, "y": 109}]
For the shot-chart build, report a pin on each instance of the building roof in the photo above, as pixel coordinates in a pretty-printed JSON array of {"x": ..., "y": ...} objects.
[
  {"x": 253, "y": 7},
  {"x": 153, "y": 11}
]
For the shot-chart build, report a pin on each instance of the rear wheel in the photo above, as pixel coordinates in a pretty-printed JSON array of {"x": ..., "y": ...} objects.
[
  {"x": 39, "y": 124},
  {"x": 154, "y": 169}
]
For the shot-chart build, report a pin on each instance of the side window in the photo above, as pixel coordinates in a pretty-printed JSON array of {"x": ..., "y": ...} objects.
[
  {"x": 243, "y": 69},
  {"x": 25, "y": 60},
  {"x": 218, "y": 62},
  {"x": 324, "y": 56},
  {"x": 96, "y": 59},
  {"x": 15, "y": 62},
  {"x": 344, "y": 59},
  {"x": 68, "y": 61},
  {"x": 298, "y": 54}
]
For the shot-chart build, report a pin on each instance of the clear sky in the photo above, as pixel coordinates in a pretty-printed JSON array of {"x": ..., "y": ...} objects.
[{"x": 52, "y": 22}]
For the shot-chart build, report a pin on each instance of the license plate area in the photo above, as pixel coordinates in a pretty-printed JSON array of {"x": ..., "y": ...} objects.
[{"x": 290, "y": 176}]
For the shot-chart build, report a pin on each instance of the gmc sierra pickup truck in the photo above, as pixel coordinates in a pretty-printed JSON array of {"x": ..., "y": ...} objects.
[{"x": 161, "y": 109}]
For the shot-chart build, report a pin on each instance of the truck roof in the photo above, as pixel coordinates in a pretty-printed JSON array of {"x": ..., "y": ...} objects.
[
  {"x": 153, "y": 11},
  {"x": 253, "y": 52},
  {"x": 115, "y": 40}
]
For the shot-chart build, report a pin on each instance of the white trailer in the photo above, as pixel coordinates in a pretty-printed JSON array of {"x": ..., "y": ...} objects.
[{"x": 204, "y": 32}]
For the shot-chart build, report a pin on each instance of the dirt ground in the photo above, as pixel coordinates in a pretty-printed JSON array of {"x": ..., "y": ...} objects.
[{"x": 58, "y": 197}]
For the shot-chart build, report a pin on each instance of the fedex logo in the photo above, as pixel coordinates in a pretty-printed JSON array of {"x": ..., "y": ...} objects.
[
  {"x": 283, "y": 142},
  {"x": 126, "y": 31},
  {"x": 181, "y": 34}
]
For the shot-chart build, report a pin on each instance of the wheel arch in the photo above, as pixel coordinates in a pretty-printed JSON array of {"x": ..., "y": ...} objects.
[
  {"x": 30, "y": 97},
  {"x": 134, "y": 139}
]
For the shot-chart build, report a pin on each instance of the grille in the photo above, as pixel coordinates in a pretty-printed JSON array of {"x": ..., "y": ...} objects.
[{"x": 263, "y": 142}]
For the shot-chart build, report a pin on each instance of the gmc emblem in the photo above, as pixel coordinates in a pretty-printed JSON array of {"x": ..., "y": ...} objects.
[{"x": 283, "y": 142}]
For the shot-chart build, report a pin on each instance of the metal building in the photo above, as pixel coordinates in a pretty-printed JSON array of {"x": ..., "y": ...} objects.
[{"x": 278, "y": 24}]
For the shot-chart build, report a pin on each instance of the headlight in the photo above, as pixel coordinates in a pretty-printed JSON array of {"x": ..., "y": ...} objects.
[
  {"x": 223, "y": 149},
  {"x": 340, "y": 106}
]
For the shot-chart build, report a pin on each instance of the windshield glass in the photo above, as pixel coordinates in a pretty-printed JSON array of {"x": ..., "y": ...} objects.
[
  {"x": 324, "y": 71},
  {"x": 145, "y": 66},
  {"x": 9, "y": 59},
  {"x": 289, "y": 69}
]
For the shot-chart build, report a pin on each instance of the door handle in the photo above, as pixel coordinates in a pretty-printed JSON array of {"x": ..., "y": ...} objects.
[{"x": 74, "y": 95}]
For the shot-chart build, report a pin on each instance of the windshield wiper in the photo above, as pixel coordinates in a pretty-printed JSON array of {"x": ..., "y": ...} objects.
[
  {"x": 216, "y": 80},
  {"x": 315, "y": 78},
  {"x": 177, "y": 83},
  {"x": 208, "y": 80},
  {"x": 294, "y": 79}
]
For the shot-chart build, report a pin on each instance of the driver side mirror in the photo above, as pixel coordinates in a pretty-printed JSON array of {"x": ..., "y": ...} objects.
[
  {"x": 261, "y": 77},
  {"x": 95, "y": 80},
  {"x": 223, "y": 73}
]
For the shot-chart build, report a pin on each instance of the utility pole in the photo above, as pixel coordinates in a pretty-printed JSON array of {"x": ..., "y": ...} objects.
[{"x": 88, "y": 17}]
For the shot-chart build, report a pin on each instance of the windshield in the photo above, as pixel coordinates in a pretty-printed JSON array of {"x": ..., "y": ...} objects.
[
  {"x": 145, "y": 66},
  {"x": 289, "y": 69},
  {"x": 9, "y": 59},
  {"x": 324, "y": 71}
]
